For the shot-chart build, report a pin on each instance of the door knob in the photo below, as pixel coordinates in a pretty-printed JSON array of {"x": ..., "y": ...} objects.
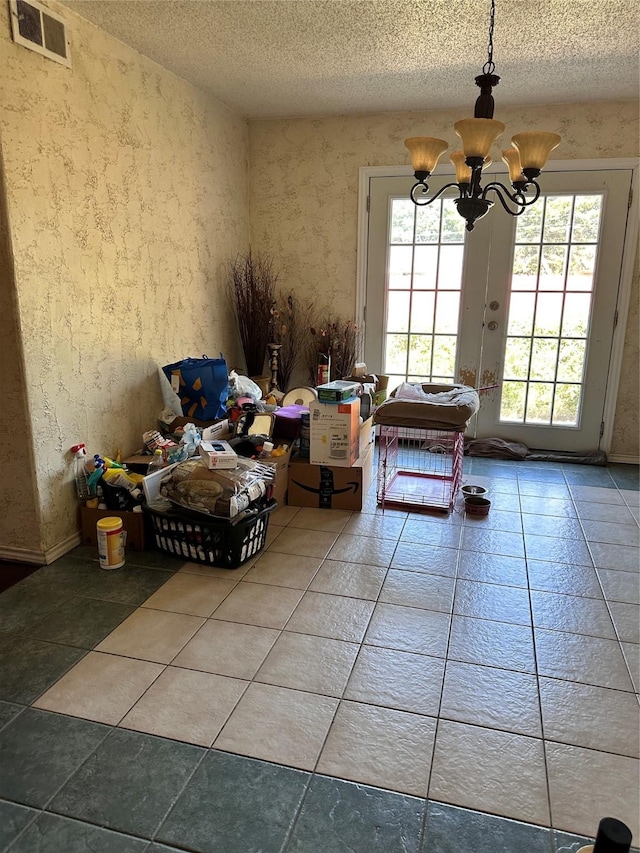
[
  {"x": 492, "y": 326},
  {"x": 494, "y": 305}
]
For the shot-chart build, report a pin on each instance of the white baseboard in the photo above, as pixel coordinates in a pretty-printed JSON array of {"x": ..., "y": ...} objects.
[
  {"x": 63, "y": 547},
  {"x": 40, "y": 558},
  {"x": 627, "y": 460},
  {"x": 22, "y": 555}
]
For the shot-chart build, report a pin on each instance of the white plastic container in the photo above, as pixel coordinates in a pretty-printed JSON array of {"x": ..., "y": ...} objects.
[
  {"x": 111, "y": 539},
  {"x": 266, "y": 451}
]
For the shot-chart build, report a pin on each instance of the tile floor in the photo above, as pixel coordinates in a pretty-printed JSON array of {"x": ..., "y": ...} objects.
[{"x": 369, "y": 682}]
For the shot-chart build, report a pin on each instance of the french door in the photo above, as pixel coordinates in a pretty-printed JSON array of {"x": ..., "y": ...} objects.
[{"x": 525, "y": 303}]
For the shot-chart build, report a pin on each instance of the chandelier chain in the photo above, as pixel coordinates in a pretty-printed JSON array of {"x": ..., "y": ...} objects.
[
  {"x": 525, "y": 159},
  {"x": 489, "y": 66}
]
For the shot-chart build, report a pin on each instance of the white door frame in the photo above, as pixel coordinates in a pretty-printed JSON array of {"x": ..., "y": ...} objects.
[{"x": 626, "y": 274}]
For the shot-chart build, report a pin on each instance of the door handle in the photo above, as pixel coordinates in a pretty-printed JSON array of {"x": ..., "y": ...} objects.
[{"x": 492, "y": 326}]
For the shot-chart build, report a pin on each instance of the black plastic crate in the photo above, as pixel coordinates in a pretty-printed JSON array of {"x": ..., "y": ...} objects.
[{"x": 212, "y": 541}]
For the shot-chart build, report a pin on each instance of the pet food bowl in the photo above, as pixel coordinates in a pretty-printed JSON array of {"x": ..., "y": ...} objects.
[
  {"x": 475, "y": 505},
  {"x": 474, "y": 491}
]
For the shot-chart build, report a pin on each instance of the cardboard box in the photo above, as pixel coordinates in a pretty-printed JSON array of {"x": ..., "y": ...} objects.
[
  {"x": 367, "y": 436},
  {"x": 330, "y": 487},
  {"x": 181, "y": 421},
  {"x": 379, "y": 397},
  {"x": 133, "y": 523},
  {"x": 217, "y": 431},
  {"x": 379, "y": 380},
  {"x": 334, "y": 433},
  {"x": 281, "y": 464},
  {"x": 138, "y": 462},
  {"x": 218, "y": 454}
]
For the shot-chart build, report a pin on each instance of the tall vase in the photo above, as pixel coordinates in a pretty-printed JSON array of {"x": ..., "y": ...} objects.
[{"x": 274, "y": 356}]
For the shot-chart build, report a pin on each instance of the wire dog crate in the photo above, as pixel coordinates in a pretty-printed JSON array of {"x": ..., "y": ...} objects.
[{"x": 419, "y": 468}]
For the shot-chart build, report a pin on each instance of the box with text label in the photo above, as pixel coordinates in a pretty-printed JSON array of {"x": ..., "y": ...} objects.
[
  {"x": 334, "y": 433},
  {"x": 328, "y": 486}
]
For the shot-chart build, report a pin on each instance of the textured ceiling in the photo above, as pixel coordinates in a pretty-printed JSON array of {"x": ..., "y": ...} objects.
[{"x": 283, "y": 58}]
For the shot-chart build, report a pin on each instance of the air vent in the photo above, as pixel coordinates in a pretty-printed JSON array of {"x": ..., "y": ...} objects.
[{"x": 38, "y": 28}]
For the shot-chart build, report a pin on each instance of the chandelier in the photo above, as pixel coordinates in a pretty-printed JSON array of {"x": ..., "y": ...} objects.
[{"x": 525, "y": 159}]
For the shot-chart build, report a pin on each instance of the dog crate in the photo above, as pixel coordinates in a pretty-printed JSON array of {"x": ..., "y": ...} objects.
[{"x": 419, "y": 468}]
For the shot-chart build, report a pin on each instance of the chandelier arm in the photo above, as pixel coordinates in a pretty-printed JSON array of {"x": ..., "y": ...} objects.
[
  {"x": 536, "y": 195},
  {"x": 425, "y": 190},
  {"x": 517, "y": 197}
]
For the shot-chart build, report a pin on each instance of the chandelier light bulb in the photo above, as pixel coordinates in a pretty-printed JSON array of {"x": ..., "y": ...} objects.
[
  {"x": 478, "y": 135},
  {"x": 534, "y": 148},
  {"x": 425, "y": 152},
  {"x": 463, "y": 172},
  {"x": 512, "y": 158}
]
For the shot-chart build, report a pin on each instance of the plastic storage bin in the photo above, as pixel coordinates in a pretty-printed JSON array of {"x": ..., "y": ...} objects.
[{"x": 212, "y": 541}]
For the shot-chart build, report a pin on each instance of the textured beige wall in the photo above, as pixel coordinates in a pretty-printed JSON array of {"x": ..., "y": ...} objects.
[
  {"x": 16, "y": 451},
  {"x": 626, "y": 435},
  {"x": 127, "y": 196},
  {"x": 305, "y": 212}
]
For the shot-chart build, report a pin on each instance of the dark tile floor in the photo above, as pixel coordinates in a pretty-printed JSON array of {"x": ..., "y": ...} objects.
[
  {"x": 73, "y": 787},
  {"x": 70, "y": 785},
  {"x": 11, "y": 573}
]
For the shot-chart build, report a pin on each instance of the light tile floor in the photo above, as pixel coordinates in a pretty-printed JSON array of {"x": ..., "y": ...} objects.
[{"x": 476, "y": 678}]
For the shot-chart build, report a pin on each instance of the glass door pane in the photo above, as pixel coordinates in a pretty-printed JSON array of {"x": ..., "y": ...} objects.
[
  {"x": 423, "y": 291},
  {"x": 550, "y": 302},
  {"x": 549, "y": 320}
]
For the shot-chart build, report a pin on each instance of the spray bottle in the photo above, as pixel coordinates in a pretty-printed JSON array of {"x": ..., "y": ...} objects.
[{"x": 80, "y": 471}]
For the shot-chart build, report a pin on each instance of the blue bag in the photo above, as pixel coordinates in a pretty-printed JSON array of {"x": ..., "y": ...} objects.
[{"x": 202, "y": 384}]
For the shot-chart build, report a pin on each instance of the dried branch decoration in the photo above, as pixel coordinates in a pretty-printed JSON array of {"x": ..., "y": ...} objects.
[
  {"x": 342, "y": 337},
  {"x": 292, "y": 321},
  {"x": 345, "y": 341},
  {"x": 253, "y": 283}
]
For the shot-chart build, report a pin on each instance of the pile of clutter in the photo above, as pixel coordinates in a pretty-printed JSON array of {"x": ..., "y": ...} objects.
[
  {"x": 221, "y": 469},
  {"x": 206, "y": 476},
  {"x": 230, "y": 468},
  {"x": 218, "y": 467},
  {"x": 105, "y": 483}
]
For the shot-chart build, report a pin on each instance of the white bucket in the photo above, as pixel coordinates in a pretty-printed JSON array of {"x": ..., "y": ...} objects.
[{"x": 111, "y": 538}]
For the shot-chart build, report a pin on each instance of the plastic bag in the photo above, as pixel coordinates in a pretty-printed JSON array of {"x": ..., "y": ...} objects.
[
  {"x": 190, "y": 439},
  {"x": 219, "y": 492},
  {"x": 242, "y": 386}
]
